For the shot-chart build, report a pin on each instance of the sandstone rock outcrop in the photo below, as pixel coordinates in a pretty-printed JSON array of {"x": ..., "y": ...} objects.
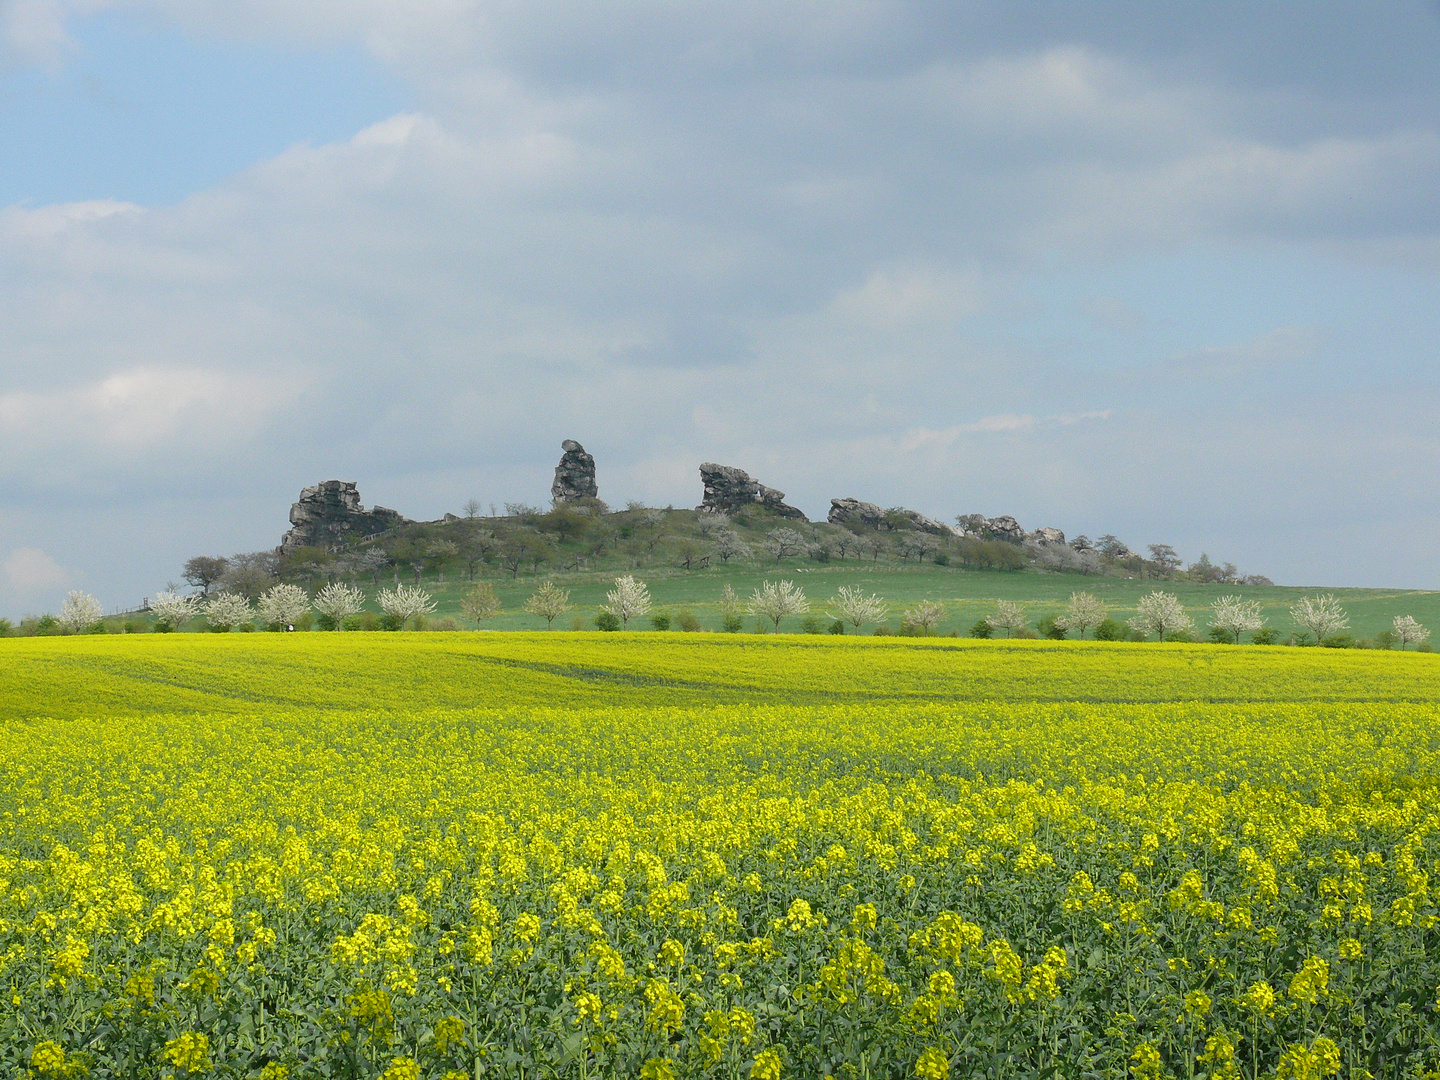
[
  {"x": 329, "y": 513},
  {"x": 728, "y": 489},
  {"x": 575, "y": 475},
  {"x": 1048, "y": 536},
  {"x": 853, "y": 512}
]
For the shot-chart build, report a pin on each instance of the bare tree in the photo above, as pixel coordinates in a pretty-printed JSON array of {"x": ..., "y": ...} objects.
[
  {"x": 80, "y": 611},
  {"x": 371, "y": 561},
  {"x": 1321, "y": 615},
  {"x": 472, "y": 508},
  {"x": 480, "y": 603},
  {"x": 628, "y": 600},
  {"x": 336, "y": 603},
  {"x": 404, "y": 603},
  {"x": 249, "y": 574},
  {"x": 548, "y": 602},
  {"x": 727, "y": 544},
  {"x": 688, "y": 552},
  {"x": 204, "y": 570},
  {"x": 775, "y": 600},
  {"x": 1406, "y": 630},
  {"x": 1081, "y": 613},
  {"x": 924, "y": 616},
  {"x": 783, "y": 542},
  {"x": 1235, "y": 616},
  {"x": 1160, "y": 613},
  {"x": 854, "y": 607},
  {"x": 1008, "y": 616}
]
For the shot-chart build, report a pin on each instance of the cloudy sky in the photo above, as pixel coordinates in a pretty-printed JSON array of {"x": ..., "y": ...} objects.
[{"x": 1166, "y": 271}]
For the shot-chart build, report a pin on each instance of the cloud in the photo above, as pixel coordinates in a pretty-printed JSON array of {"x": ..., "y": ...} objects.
[{"x": 29, "y": 571}]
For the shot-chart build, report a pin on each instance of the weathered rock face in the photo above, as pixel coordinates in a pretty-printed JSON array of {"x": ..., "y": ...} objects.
[
  {"x": 853, "y": 512},
  {"x": 575, "y": 475},
  {"x": 1004, "y": 527},
  {"x": 1048, "y": 536},
  {"x": 329, "y": 513},
  {"x": 728, "y": 488}
]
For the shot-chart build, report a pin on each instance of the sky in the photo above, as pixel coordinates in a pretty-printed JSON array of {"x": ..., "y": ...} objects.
[{"x": 1170, "y": 272}]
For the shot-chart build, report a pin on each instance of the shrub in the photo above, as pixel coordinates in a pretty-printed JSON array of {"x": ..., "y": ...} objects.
[
  {"x": 940, "y": 559},
  {"x": 1339, "y": 641},
  {"x": 732, "y": 622},
  {"x": 5, "y": 627},
  {"x": 687, "y": 622},
  {"x": 811, "y": 624},
  {"x": 449, "y": 624},
  {"x": 1266, "y": 635},
  {"x": 836, "y": 627},
  {"x": 1049, "y": 628},
  {"x": 982, "y": 629},
  {"x": 882, "y": 631},
  {"x": 577, "y": 622},
  {"x": 1110, "y": 630},
  {"x": 392, "y": 621},
  {"x": 660, "y": 620},
  {"x": 1219, "y": 635},
  {"x": 607, "y": 621}
]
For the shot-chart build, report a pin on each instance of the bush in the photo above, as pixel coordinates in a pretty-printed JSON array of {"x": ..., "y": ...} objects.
[
  {"x": 5, "y": 627},
  {"x": 1110, "y": 630},
  {"x": 1339, "y": 641},
  {"x": 132, "y": 627},
  {"x": 392, "y": 622},
  {"x": 47, "y": 626},
  {"x": 449, "y": 624},
  {"x": 607, "y": 621},
  {"x": 660, "y": 621},
  {"x": 982, "y": 629},
  {"x": 1049, "y": 629},
  {"x": 1266, "y": 635},
  {"x": 326, "y": 622},
  {"x": 163, "y": 628},
  {"x": 687, "y": 622},
  {"x": 733, "y": 623},
  {"x": 577, "y": 621},
  {"x": 1219, "y": 635},
  {"x": 1385, "y": 639},
  {"x": 940, "y": 559},
  {"x": 811, "y": 624},
  {"x": 883, "y": 631},
  {"x": 836, "y": 627}
]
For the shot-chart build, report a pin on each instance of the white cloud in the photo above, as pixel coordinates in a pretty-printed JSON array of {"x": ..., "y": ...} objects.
[{"x": 29, "y": 571}]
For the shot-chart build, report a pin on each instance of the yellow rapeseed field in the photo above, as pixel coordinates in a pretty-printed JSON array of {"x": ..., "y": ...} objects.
[{"x": 646, "y": 855}]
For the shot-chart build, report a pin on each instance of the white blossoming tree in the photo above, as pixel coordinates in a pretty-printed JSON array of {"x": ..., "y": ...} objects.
[
  {"x": 282, "y": 605},
  {"x": 924, "y": 616},
  {"x": 774, "y": 600},
  {"x": 227, "y": 611},
  {"x": 173, "y": 611},
  {"x": 628, "y": 600},
  {"x": 1319, "y": 615},
  {"x": 1235, "y": 616},
  {"x": 1008, "y": 616},
  {"x": 1160, "y": 613},
  {"x": 337, "y": 602},
  {"x": 1081, "y": 613},
  {"x": 855, "y": 607},
  {"x": 548, "y": 602},
  {"x": 80, "y": 611},
  {"x": 1407, "y": 631},
  {"x": 404, "y": 603}
]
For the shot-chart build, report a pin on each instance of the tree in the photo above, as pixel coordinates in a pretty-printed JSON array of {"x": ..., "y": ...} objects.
[
  {"x": 336, "y": 603},
  {"x": 440, "y": 552},
  {"x": 371, "y": 561},
  {"x": 1235, "y": 616},
  {"x": 1160, "y": 613},
  {"x": 1164, "y": 557},
  {"x": 471, "y": 508},
  {"x": 282, "y": 605},
  {"x": 476, "y": 547},
  {"x": 480, "y": 603},
  {"x": 227, "y": 611},
  {"x": 924, "y": 616},
  {"x": 403, "y": 603},
  {"x": 1321, "y": 615},
  {"x": 727, "y": 545},
  {"x": 629, "y": 599},
  {"x": 1082, "y": 612},
  {"x": 775, "y": 600},
  {"x": 172, "y": 611},
  {"x": 1406, "y": 630},
  {"x": 204, "y": 570},
  {"x": 249, "y": 574},
  {"x": 80, "y": 611},
  {"x": 730, "y": 609},
  {"x": 1009, "y": 616},
  {"x": 548, "y": 602},
  {"x": 688, "y": 552},
  {"x": 1111, "y": 547},
  {"x": 783, "y": 542},
  {"x": 853, "y": 606}
]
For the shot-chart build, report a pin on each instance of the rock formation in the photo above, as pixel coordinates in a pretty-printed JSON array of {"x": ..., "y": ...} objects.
[
  {"x": 1048, "y": 536},
  {"x": 575, "y": 475},
  {"x": 329, "y": 513},
  {"x": 852, "y": 512},
  {"x": 728, "y": 488}
]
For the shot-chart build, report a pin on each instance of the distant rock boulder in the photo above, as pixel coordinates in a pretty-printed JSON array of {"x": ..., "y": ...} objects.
[
  {"x": 728, "y": 489},
  {"x": 1048, "y": 536},
  {"x": 575, "y": 475},
  {"x": 854, "y": 512},
  {"x": 329, "y": 514}
]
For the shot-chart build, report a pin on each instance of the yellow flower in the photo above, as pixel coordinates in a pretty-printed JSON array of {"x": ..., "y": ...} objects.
[
  {"x": 48, "y": 1058},
  {"x": 449, "y": 1032},
  {"x": 190, "y": 1051},
  {"x": 658, "y": 1069},
  {"x": 1311, "y": 982},
  {"x": 766, "y": 1065},
  {"x": 1147, "y": 1064},
  {"x": 1320, "y": 1059},
  {"x": 402, "y": 1068},
  {"x": 933, "y": 1064}
]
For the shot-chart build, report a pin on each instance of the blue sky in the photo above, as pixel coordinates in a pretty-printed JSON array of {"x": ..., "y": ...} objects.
[{"x": 1118, "y": 267}]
